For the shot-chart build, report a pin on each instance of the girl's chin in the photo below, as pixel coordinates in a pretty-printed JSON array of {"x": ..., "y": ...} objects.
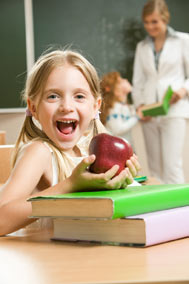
[
  {"x": 66, "y": 142},
  {"x": 66, "y": 146}
]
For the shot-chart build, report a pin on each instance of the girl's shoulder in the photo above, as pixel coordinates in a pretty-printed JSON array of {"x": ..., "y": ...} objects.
[{"x": 37, "y": 148}]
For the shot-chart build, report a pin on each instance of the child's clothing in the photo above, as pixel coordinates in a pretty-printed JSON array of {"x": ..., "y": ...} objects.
[
  {"x": 54, "y": 166},
  {"x": 121, "y": 119}
]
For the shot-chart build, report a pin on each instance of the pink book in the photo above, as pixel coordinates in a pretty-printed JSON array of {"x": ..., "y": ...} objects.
[
  {"x": 165, "y": 225},
  {"x": 143, "y": 230}
]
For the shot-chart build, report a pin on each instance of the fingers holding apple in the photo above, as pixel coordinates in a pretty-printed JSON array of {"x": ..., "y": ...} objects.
[
  {"x": 85, "y": 163},
  {"x": 136, "y": 162},
  {"x": 81, "y": 179},
  {"x": 121, "y": 181},
  {"x": 112, "y": 180},
  {"x": 133, "y": 165}
]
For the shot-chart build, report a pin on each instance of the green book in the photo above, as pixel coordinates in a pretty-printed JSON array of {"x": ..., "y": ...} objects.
[
  {"x": 160, "y": 108},
  {"x": 140, "y": 179},
  {"x": 111, "y": 204}
]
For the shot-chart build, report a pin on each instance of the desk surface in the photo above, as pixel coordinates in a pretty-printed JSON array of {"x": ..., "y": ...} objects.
[{"x": 33, "y": 258}]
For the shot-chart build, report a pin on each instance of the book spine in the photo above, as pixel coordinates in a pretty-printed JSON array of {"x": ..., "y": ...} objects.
[{"x": 167, "y": 225}]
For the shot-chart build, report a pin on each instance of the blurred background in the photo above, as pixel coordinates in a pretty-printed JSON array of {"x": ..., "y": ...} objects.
[{"x": 104, "y": 31}]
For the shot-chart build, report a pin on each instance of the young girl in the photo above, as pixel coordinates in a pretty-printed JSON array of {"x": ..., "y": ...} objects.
[
  {"x": 118, "y": 116},
  {"x": 51, "y": 154}
]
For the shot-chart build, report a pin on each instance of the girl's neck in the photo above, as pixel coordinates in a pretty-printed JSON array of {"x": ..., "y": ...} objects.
[{"x": 75, "y": 152}]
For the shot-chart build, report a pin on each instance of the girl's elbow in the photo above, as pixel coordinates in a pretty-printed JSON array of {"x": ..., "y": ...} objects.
[
  {"x": 3, "y": 228},
  {"x": 5, "y": 223}
]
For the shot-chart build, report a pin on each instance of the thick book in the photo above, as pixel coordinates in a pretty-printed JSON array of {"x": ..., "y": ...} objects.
[
  {"x": 144, "y": 230},
  {"x": 111, "y": 204},
  {"x": 160, "y": 108}
]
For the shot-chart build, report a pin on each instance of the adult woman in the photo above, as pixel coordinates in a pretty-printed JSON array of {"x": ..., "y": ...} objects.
[{"x": 162, "y": 59}]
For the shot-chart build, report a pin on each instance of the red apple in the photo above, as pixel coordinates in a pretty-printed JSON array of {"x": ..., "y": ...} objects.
[{"x": 109, "y": 151}]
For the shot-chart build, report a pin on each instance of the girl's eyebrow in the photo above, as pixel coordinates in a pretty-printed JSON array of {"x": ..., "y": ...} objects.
[
  {"x": 59, "y": 91},
  {"x": 51, "y": 90},
  {"x": 81, "y": 90}
]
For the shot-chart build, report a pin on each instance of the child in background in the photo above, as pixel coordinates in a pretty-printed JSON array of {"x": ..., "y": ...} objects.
[
  {"x": 51, "y": 154},
  {"x": 117, "y": 115}
]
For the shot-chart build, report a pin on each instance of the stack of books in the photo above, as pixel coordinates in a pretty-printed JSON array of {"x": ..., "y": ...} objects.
[{"x": 138, "y": 215}]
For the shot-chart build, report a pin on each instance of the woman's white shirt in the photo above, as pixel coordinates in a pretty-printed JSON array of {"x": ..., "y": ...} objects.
[{"x": 150, "y": 84}]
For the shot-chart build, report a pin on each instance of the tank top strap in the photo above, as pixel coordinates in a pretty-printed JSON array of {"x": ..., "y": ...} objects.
[{"x": 54, "y": 165}]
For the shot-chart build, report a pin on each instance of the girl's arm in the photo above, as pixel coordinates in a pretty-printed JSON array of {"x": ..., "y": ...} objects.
[{"x": 25, "y": 180}]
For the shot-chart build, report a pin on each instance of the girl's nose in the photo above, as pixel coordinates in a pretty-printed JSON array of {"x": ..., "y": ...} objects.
[{"x": 66, "y": 105}]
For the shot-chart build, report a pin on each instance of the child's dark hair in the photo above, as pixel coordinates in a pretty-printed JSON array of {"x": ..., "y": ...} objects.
[{"x": 107, "y": 85}]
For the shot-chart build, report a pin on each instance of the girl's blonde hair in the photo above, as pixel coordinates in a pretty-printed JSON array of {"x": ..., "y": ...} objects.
[
  {"x": 108, "y": 85},
  {"x": 156, "y": 5},
  {"x": 34, "y": 88}
]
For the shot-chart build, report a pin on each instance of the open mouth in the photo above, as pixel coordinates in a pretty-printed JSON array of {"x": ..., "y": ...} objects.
[{"x": 66, "y": 127}]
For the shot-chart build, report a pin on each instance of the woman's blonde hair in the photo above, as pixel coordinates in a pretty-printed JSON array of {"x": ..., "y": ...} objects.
[
  {"x": 156, "y": 5},
  {"x": 108, "y": 85},
  {"x": 34, "y": 88}
]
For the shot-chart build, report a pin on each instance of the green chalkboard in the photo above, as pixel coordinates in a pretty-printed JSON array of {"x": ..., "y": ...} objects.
[
  {"x": 12, "y": 52},
  {"x": 105, "y": 31},
  {"x": 96, "y": 28}
]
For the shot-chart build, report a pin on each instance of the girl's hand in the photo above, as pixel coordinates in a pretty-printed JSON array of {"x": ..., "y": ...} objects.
[
  {"x": 133, "y": 165},
  {"x": 81, "y": 179},
  {"x": 178, "y": 95},
  {"x": 141, "y": 116}
]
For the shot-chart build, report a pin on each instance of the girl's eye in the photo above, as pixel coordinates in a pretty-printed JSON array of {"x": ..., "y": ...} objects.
[
  {"x": 80, "y": 96},
  {"x": 52, "y": 96}
]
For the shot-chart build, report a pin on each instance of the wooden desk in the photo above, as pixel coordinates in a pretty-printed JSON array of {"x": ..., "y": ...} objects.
[
  {"x": 34, "y": 258},
  {"x": 5, "y": 161},
  {"x": 2, "y": 137}
]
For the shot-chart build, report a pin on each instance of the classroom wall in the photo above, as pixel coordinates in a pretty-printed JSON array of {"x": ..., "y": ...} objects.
[{"x": 11, "y": 123}]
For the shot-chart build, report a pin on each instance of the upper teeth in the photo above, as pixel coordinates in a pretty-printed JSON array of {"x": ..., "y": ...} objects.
[{"x": 66, "y": 121}]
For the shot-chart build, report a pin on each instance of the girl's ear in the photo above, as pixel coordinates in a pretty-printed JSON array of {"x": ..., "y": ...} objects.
[
  {"x": 98, "y": 104},
  {"x": 32, "y": 108}
]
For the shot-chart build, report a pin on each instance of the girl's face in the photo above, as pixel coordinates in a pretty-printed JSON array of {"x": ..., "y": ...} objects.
[
  {"x": 122, "y": 89},
  {"x": 154, "y": 25},
  {"x": 67, "y": 107}
]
